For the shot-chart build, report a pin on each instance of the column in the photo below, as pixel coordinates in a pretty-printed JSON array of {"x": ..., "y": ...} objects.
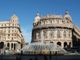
[
  {"x": 71, "y": 44},
  {"x": 5, "y": 44},
  {"x": 15, "y": 46},
  {"x": 55, "y": 34},
  {"x": 48, "y": 34},
  {"x": 67, "y": 44},
  {"x": 10, "y": 46}
]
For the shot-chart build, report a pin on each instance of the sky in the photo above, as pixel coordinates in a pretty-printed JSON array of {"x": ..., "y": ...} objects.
[{"x": 27, "y": 9}]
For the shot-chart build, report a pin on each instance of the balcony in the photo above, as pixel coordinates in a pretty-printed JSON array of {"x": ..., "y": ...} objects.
[{"x": 52, "y": 26}]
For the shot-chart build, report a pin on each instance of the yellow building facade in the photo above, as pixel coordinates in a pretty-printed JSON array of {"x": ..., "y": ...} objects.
[
  {"x": 10, "y": 34},
  {"x": 56, "y": 29}
]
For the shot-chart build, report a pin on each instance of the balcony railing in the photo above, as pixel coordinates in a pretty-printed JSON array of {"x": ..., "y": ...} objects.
[{"x": 53, "y": 25}]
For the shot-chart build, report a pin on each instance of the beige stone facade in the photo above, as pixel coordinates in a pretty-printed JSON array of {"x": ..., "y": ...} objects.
[
  {"x": 56, "y": 29},
  {"x": 11, "y": 34}
]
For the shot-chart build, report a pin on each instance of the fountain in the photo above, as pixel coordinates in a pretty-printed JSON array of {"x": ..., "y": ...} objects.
[{"x": 42, "y": 48}]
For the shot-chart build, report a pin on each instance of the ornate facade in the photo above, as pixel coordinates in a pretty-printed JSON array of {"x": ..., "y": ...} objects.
[
  {"x": 10, "y": 34},
  {"x": 56, "y": 29}
]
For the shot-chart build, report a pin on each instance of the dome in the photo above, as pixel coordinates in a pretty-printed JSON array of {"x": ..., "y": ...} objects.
[
  {"x": 37, "y": 18},
  {"x": 67, "y": 16},
  {"x": 14, "y": 17}
]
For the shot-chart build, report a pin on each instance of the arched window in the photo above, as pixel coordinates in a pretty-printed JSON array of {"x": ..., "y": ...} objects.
[
  {"x": 59, "y": 43},
  {"x": 64, "y": 33},
  {"x": 58, "y": 34},
  {"x": 44, "y": 22},
  {"x": 69, "y": 44},
  {"x": 45, "y": 34},
  {"x": 65, "y": 44},
  {"x": 8, "y": 45},
  {"x": 1, "y": 45},
  {"x": 12, "y": 45},
  {"x": 52, "y": 34},
  {"x": 37, "y": 35},
  {"x": 69, "y": 33}
]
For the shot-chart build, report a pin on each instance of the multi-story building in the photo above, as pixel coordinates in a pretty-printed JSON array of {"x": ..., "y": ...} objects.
[
  {"x": 10, "y": 34},
  {"x": 56, "y": 29}
]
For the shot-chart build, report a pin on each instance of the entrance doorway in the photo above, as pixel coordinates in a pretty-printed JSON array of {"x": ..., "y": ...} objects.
[
  {"x": 59, "y": 43},
  {"x": 65, "y": 44}
]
